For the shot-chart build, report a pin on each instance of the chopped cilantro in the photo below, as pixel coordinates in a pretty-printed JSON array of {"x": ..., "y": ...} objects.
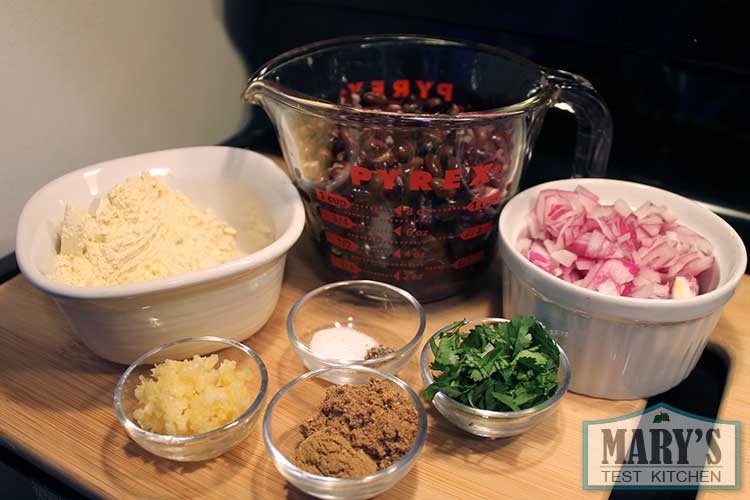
[{"x": 502, "y": 367}]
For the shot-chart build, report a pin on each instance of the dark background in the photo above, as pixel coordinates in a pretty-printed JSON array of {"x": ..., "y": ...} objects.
[{"x": 675, "y": 75}]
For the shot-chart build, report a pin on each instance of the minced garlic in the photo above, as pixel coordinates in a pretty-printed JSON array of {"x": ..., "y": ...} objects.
[{"x": 192, "y": 396}]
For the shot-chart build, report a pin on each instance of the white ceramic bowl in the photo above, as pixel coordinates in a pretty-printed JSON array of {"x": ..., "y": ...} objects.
[
  {"x": 621, "y": 347},
  {"x": 233, "y": 300}
]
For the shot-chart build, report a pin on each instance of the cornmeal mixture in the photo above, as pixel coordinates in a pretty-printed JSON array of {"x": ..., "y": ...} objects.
[
  {"x": 193, "y": 396},
  {"x": 142, "y": 230}
]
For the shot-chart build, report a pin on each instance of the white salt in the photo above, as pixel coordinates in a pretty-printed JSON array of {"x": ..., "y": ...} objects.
[{"x": 342, "y": 342}]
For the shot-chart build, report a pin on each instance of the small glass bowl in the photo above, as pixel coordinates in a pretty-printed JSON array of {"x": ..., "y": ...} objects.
[
  {"x": 209, "y": 444},
  {"x": 388, "y": 314},
  {"x": 300, "y": 399},
  {"x": 486, "y": 423}
]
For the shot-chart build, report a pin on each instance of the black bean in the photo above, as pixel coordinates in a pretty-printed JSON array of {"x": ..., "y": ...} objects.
[
  {"x": 432, "y": 165},
  {"x": 374, "y": 99},
  {"x": 438, "y": 185},
  {"x": 499, "y": 138},
  {"x": 432, "y": 140},
  {"x": 478, "y": 155},
  {"x": 411, "y": 166},
  {"x": 412, "y": 107},
  {"x": 405, "y": 150},
  {"x": 483, "y": 133},
  {"x": 374, "y": 148},
  {"x": 433, "y": 102},
  {"x": 446, "y": 151},
  {"x": 452, "y": 163}
]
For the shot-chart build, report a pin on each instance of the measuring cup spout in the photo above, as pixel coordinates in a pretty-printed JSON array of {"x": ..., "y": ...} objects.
[{"x": 253, "y": 90}]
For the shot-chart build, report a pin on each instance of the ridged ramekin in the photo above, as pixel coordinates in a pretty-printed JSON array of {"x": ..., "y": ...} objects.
[{"x": 621, "y": 347}]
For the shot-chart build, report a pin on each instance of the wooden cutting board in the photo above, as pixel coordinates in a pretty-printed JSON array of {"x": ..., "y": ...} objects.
[{"x": 56, "y": 410}]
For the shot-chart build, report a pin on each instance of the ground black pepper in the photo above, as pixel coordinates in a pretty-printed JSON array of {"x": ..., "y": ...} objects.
[{"x": 378, "y": 352}]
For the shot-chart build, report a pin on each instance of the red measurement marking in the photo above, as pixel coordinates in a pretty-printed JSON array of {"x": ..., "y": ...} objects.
[
  {"x": 468, "y": 260},
  {"x": 372, "y": 208},
  {"x": 449, "y": 209},
  {"x": 411, "y": 276},
  {"x": 408, "y": 265},
  {"x": 416, "y": 254},
  {"x": 476, "y": 231},
  {"x": 379, "y": 274},
  {"x": 419, "y": 233},
  {"x": 408, "y": 211},
  {"x": 485, "y": 202},
  {"x": 337, "y": 219},
  {"x": 332, "y": 199},
  {"x": 345, "y": 265},
  {"x": 411, "y": 231},
  {"x": 371, "y": 239},
  {"x": 341, "y": 242},
  {"x": 420, "y": 212}
]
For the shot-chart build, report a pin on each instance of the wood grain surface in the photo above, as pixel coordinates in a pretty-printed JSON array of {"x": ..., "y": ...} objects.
[{"x": 56, "y": 410}]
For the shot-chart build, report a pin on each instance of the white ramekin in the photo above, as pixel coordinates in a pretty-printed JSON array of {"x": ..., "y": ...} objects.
[
  {"x": 233, "y": 300},
  {"x": 621, "y": 347}
]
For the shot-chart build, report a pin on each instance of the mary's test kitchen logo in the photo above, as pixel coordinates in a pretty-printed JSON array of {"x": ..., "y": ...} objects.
[{"x": 661, "y": 447}]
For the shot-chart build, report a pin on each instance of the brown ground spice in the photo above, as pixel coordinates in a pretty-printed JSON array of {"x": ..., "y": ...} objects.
[
  {"x": 331, "y": 455},
  {"x": 376, "y": 418},
  {"x": 378, "y": 352}
]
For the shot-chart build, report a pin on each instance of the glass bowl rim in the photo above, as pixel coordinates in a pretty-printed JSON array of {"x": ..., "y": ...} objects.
[
  {"x": 375, "y": 477},
  {"x": 259, "y": 83},
  {"x": 297, "y": 343},
  {"x": 545, "y": 405},
  {"x": 168, "y": 439}
]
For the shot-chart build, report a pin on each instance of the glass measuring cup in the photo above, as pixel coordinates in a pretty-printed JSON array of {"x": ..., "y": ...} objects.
[{"x": 405, "y": 148}]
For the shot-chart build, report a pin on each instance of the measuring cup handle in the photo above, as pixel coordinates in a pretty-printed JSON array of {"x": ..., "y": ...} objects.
[{"x": 594, "y": 134}]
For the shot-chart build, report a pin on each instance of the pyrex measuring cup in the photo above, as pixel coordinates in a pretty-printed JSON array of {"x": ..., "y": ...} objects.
[{"x": 404, "y": 149}]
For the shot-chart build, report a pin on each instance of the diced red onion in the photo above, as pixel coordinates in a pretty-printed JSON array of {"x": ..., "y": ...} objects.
[
  {"x": 684, "y": 287},
  {"x": 524, "y": 244},
  {"x": 613, "y": 249},
  {"x": 566, "y": 258},
  {"x": 584, "y": 264},
  {"x": 585, "y": 192},
  {"x": 622, "y": 208}
]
